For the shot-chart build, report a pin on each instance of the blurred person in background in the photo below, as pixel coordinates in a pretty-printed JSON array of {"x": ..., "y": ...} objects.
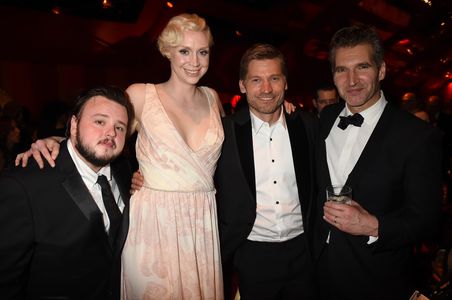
[
  {"x": 411, "y": 103},
  {"x": 325, "y": 95}
]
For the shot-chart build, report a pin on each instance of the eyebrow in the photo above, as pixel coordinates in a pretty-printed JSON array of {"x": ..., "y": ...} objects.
[
  {"x": 108, "y": 116},
  {"x": 122, "y": 123}
]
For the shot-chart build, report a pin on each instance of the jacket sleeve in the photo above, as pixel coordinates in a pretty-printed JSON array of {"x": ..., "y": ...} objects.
[
  {"x": 421, "y": 186},
  {"x": 16, "y": 238}
]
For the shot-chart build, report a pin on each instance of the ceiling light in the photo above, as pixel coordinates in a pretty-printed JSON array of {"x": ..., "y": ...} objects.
[
  {"x": 106, "y": 4},
  {"x": 56, "y": 10}
]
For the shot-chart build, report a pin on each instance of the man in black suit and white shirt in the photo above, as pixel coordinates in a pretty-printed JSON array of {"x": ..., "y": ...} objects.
[
  {"x": 62, "y": 230},
  {"x": 264, "y": 183},
  {"x": 392, "y": 162}
]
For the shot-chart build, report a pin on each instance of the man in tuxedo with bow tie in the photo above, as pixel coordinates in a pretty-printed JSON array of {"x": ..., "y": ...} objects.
[
  {"x": 392, "y": 162},
  {"x": 62, "y": 228}
]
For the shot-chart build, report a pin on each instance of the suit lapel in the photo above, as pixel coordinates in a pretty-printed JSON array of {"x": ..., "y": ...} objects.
[
  {"x": 373, "y": 146},
  {"x": 327, "y": 119},
  {"x": 244, "y": 140},
  {"x": 300, "y": 156},
  {"x": 121, "y": 174},
  {"x": 79, "y": 193}
]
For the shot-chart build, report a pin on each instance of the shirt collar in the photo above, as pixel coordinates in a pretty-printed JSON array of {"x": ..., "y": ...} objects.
[
  {"x": 371, "y": 113},
  {"x": 87, "y": 174},
  {"x": 257, "y": 123}
]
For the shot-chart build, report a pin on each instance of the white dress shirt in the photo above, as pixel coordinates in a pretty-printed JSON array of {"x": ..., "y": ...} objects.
[
  {"x": 278, "y": 211},
  {"x": 90, "y": 179},
  {"x": 344, "y": 147}
]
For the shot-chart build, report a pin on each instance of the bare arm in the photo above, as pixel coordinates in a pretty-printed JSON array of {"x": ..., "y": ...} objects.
[
  {"x": 49, "y": 148},
  {"x": 137, "y": 93}
]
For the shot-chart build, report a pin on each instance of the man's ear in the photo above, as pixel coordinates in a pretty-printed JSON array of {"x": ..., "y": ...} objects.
[
  {"x": 242, "y": 87},
  {"x": 382, "y": 71},
  {"x": 73, "y": 130}
]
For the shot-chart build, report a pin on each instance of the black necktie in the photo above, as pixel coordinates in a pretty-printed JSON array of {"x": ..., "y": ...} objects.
[
  {"x": 114, "y": 214},
  {"x": 355, "y": 120}
]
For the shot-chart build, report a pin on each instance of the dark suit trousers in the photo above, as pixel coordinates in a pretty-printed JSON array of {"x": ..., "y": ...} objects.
[
  {"x": 273, "y": 271},
  {"x": 347, "y": 288}
]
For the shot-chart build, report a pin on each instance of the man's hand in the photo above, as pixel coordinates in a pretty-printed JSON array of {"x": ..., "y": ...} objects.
[
  {"x": 350, "y": 218},
  {"x": 49, "y": 148},
  {"x": 137, "y": 182}
]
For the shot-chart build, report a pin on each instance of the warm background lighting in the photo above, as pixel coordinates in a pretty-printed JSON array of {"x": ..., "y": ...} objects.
[
  {"x": 56, "y": 10},
  {"x": 106, "y": 4},
  {"x": 234, "y": 100}
]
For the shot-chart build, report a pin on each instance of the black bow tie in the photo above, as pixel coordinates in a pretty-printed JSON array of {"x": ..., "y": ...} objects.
[{"x": 355, "y": 120}]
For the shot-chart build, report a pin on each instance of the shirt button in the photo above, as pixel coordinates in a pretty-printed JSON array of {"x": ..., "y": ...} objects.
[
  {"x": 273, "y": 160},
  {"x": 271, "y": 139},
  {"x": 277, "y": 202},
  {"x": 274, "y": 182}
]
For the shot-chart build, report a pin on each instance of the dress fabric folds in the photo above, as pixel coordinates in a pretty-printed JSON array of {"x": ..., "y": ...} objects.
[{"x": 172, "y": 249}]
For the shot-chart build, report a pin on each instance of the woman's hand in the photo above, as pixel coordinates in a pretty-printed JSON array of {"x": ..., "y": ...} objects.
[
  {"x": 47, "y": 148},
  {"x": 137, "y": 182},
  {"x": 289, "y": 107}
]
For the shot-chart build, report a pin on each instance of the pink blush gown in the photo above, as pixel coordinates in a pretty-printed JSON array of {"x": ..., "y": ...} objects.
[{"x": 172, "y": 249}]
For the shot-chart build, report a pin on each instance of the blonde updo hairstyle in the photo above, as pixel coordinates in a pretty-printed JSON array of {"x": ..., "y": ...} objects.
[{"x": 173, "y": 33}]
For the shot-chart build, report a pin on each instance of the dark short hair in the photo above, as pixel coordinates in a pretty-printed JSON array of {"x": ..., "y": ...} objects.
[
  {"x": 353, "y": 36},
  {"x": 110, "y": 92},
  {"x": 324, "y": 87},
  {"x": 261, "y": 52}
]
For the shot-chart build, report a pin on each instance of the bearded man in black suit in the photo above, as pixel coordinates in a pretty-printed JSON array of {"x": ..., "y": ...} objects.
[{"x": 62, "y": 228}]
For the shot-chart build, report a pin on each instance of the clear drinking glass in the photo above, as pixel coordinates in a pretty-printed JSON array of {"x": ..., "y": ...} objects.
[{"x": 339, "y": 193}]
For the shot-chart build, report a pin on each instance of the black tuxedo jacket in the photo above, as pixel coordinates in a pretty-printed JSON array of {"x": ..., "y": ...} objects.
[
  {"x": 235, "y": 177},
  {"x": 53, "y": 242},
  {"x": 397, "y": 179}
]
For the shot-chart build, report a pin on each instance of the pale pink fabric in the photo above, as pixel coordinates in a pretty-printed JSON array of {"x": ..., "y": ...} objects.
[{"x": 172, "y": 249}]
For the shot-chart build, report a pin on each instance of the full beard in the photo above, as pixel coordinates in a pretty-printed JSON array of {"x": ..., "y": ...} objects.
[{"x": 90, "y": 155}]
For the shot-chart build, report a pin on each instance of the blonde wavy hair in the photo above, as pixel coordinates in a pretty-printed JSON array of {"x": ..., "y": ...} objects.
[{"x": 173, "y": 33}]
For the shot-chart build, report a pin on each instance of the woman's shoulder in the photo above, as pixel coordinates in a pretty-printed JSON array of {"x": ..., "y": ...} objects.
[
  {"x": 214, "y": 99},
  {"x": 210, "y": 92},
  {"x": 135, "y": 88},
  {"x": 137, "y": 94}
]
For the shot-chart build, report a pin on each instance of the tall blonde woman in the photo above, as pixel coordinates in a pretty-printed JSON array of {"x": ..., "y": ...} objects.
[{"x": 172, "y": 249}]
